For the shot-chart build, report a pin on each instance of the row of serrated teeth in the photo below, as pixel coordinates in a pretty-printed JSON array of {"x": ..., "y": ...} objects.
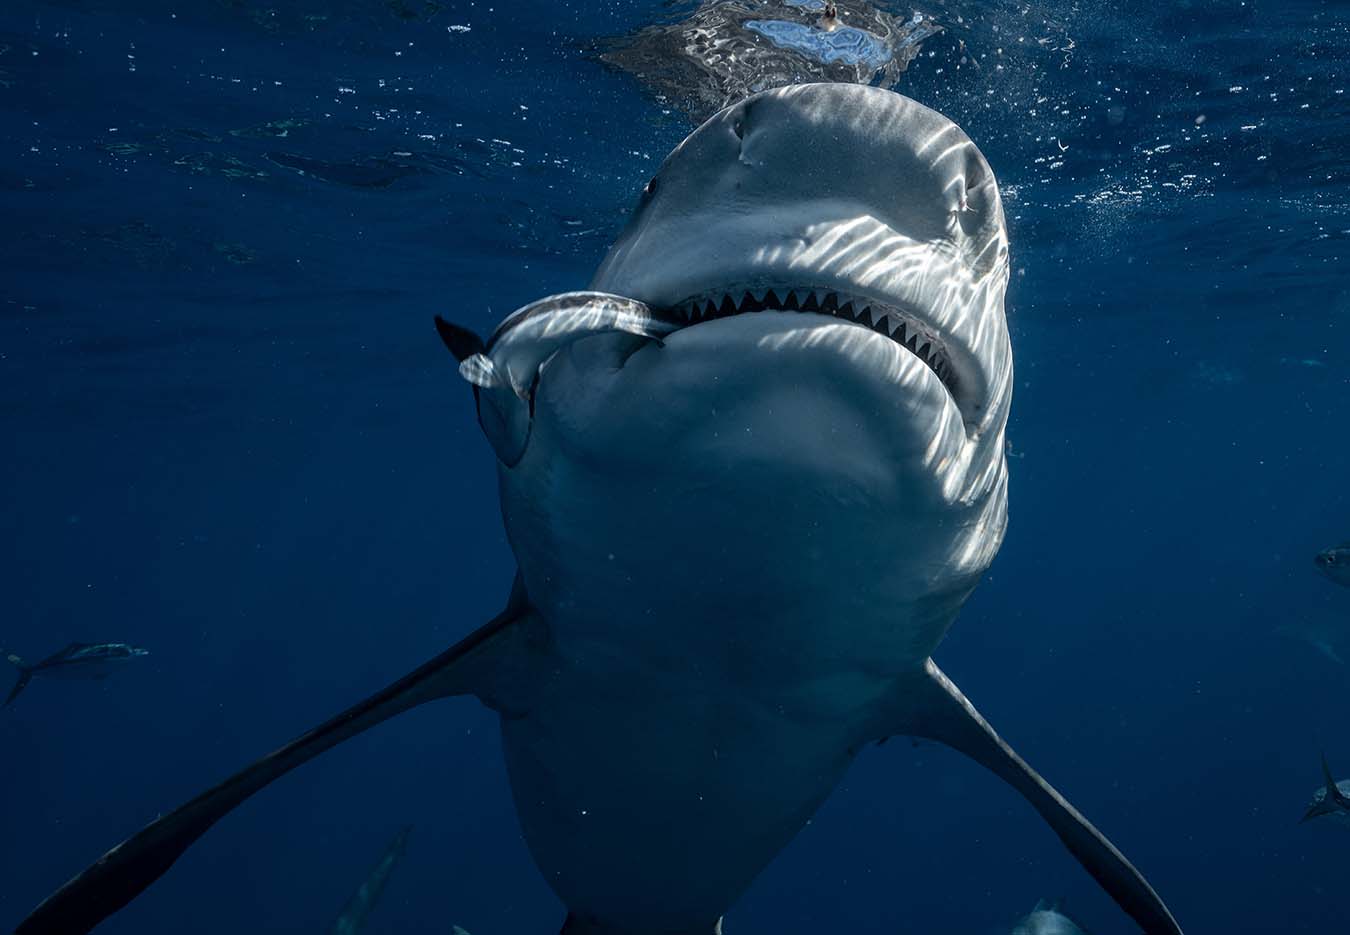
[{"x": 889, "y": 322}]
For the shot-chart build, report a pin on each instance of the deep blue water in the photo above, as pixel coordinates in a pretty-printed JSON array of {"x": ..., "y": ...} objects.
[{"x": 232, "y": 436}]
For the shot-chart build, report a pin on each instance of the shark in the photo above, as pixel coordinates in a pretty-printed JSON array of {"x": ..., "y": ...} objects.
[
  {"x": 749, "y": 474},
  {"x": 355, "y": 914}
]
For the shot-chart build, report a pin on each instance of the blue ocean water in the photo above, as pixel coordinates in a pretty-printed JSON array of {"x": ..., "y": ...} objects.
[{"x": 234, "y": 438}]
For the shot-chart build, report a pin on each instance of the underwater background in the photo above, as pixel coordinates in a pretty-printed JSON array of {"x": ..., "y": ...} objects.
[{"x": 232, "y": 437}]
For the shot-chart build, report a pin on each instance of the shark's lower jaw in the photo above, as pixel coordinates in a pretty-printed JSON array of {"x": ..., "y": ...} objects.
[{"x": 890, "y": 320}]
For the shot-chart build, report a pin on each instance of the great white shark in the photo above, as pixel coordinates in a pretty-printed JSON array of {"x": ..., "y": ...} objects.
[{"x": 750, "y": 476}]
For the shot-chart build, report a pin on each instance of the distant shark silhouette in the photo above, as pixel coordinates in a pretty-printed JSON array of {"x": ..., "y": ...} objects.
[
  {"x": 356, "y": 913},
  {"x": 749, "y": 479}
]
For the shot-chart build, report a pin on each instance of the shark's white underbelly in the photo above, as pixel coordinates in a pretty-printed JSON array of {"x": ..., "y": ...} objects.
[
  {"x": 721, "y": 652},
  {"x": 655, "y": 799},
  {"x": 731, "y": 584}
]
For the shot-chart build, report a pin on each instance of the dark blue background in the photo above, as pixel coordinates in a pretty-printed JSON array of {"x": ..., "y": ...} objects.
[{"x": 231, "y": 436}]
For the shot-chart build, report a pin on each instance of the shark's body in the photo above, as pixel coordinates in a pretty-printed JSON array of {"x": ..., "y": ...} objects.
[
  {"x": 823, "y": 504},
  {"x": 78, "y": 661},
  {"x": 356, "y": 913},
  {"x": 750, "y": 477}
]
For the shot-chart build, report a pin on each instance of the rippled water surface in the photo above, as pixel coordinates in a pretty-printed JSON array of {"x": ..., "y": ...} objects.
[{"x": 234, "y": 438}]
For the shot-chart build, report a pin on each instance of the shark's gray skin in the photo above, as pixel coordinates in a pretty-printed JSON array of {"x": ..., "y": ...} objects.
[
  {"x": 76, "y": 661},
  {"x": 1332, "y": 800},
  {"x": 352, "y": 920},
  {"x": 1047, "y": 919},
  {"x": 1335, "y": 563},
  {"x": 726, "y": 50},
  {"x": 750, "y": 477}
]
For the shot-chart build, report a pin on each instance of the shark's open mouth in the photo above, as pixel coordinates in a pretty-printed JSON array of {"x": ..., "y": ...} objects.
[
  {"x": 903, "y": 327},
  {"x": 506, "y": 367}
]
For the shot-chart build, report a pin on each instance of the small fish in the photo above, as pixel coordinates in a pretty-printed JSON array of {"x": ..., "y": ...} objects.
[
  {"x": 1335, "y": 563},
  {"x": 76, "y": 661},
  {"x": 1332, "y": 799},
  {"x": 1047, "y": 919}
]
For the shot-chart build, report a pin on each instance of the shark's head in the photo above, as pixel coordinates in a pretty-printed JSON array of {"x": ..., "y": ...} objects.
[
  {"x": 806, "y": 306},
  {"x": 847, "y": 200}
]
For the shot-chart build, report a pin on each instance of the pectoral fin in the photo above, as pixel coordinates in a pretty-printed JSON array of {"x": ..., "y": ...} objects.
[
  {"x": 931, "y": 706},
  {"x": 481, "y": 664}
]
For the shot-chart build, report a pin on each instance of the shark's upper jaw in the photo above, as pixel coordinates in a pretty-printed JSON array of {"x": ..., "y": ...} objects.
[{"x": 904, "y": 326}]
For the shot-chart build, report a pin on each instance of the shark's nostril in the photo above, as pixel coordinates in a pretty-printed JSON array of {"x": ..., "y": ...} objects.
[{"x": 969, "y": 217}]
